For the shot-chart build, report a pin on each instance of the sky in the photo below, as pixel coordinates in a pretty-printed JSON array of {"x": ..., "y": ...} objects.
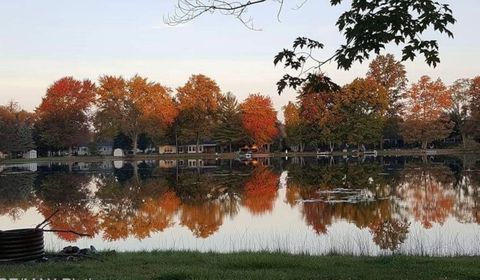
[{"x": 42, "y": 41}]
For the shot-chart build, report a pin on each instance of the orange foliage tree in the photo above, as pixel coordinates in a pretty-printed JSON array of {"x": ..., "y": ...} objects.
[
  {"x": 425, "y": 116},
  {"x": 133, "y": 107},
  {"x": 261, "y": 191},
  {"x": 198, "y": 102},
  {"x": 259, "y": 119},
  {"x": 428, "y": 194},
  {"x": 203, "y": 219},
  {"x": 390, "y": 74},
  {"x": 63, "y": 116},
  {"x": 155, "y": 214}
]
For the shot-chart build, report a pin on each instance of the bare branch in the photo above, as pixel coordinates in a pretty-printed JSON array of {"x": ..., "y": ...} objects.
[{"x": 188, "y": 10}]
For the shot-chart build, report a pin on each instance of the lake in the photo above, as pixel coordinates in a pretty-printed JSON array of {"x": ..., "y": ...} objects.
[{"x": 325, "y": 205}]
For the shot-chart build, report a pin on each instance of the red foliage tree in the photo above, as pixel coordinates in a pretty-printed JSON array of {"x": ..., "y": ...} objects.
[{"x": 63, "y": 115}]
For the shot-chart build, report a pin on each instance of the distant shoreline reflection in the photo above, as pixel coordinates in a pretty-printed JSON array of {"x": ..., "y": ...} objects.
[{"x": 315, "y": 205}]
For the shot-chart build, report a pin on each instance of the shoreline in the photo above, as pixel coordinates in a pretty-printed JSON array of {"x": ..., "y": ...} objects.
[
  {"x": 245, "y": 265},
  {"x": 385, "y": 153}
]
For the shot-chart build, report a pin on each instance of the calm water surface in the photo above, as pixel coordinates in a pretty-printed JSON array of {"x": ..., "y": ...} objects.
[{"x": 372, "y": 206}]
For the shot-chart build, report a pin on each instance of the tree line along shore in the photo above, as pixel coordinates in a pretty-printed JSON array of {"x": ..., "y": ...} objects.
[{"x": 375, "y": 112}]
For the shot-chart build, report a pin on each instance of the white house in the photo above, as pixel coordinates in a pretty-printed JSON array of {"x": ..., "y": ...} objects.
[
  {"x": 30, "y": 154},
  {"x": 105, "y": 147},
  {"x": 188, "y": 149},
  {"x": 82, "y": 151}
]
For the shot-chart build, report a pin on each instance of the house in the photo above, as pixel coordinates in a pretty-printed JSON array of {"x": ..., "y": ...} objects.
[
  {"x": 81, "y": 151},
  {"x": 167, "y": 163},
  {"x": 30, "y": 154},
  {"x": 203, "y": 148},
  {"x": 167, "y": 149},
  {"x": 105, "y": 147}
]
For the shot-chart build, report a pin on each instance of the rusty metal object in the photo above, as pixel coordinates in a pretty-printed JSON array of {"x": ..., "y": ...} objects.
[{"x": 21, "y": 245}]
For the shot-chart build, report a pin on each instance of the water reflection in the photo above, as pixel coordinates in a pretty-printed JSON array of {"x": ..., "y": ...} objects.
[{"x": 140, "y": 200}]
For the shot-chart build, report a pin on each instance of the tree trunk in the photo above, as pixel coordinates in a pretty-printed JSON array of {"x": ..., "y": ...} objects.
[
  {"x": 176, "y": 141},
  {"x": 198, "y": 144},
  {"x": 135, "y": 171},
  {"x": 464, "y": 143},
  {"x": 135, "y": 144},
  {"x": 230, "y": 146},
  {"x": 424, "y": 144}
]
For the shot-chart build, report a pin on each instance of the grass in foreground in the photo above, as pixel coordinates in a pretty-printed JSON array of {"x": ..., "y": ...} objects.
[{"x": 192, "y": 265}]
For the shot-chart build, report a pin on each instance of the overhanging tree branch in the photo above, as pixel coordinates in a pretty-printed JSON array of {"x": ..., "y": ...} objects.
[
  {"x": 188, "y": 10},
  {"x": 368, "y": 26}
]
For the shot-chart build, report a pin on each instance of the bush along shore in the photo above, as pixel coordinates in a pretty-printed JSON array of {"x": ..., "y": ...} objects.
[{"x": 262, "y": 265}]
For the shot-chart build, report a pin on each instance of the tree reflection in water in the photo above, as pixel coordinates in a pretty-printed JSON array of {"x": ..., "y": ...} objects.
[
  {"x": 68, "y": 193},
  {"x": 141, "y": 199},
  {"x": 260, "y": 191},
  {"x": 16, "y": 193}
]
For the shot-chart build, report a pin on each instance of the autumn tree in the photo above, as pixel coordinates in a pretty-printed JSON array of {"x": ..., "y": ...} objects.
[
  {"x": 198, "y": 101},
  {"x": 16, "y": 129},
  {"x": 229, "y": 131},
  {"x": 203, "y": 219},
  {"x": 473, "y": 123},
  {"x": 293, "y": 126},
  {"x": 317, "y": 111},
  {"x": 391, "y": 74},
  {"x": 260, "y": 191},
  {"x": 68, "y": 193},
  {"x": 425, "y": 118},
  {"x": 390, "y": 233},
  {"x": 360, "y": 111},
  {"x": 133, "y": 107},
  {"x": 63, "y": 117},
  {"x": 259, "y": 119},
  {"x": 460, "y": 109},
  {"x": 428, "y": 194}
]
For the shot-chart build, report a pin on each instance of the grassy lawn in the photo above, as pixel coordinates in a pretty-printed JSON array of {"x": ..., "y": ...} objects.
[{"x": 192, "y": 265}]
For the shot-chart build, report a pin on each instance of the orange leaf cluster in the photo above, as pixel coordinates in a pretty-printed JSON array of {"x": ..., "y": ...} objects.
[
  {"x": 261, "y": 191},
  {"x": 259, "y": 118}
]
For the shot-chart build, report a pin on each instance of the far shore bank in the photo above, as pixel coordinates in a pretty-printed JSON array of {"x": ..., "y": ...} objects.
[
  {"x": 246, "y": 265},
  {"x": 141, "y": 157}
]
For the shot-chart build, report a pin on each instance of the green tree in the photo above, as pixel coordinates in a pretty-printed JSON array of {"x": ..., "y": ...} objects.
[
  {"x": 229, "y": 130},
  {"x": 360, "y": 111},
  {"x": 293, "y": 126},
  {"x": 16, "y": 129},
  {"x": 460, "y": 110}
]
